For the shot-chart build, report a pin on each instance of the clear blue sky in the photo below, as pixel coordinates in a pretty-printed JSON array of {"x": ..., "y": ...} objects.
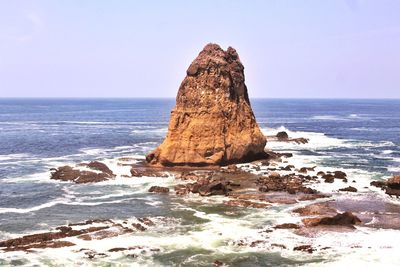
[{"x": 321, "y": 49}]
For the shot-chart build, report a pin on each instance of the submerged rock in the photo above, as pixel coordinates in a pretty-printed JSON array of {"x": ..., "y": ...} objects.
[{"x": 212, "y": 122}]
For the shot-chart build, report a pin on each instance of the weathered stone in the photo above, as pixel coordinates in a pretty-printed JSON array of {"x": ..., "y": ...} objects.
[
  {"x": 348, "y": 189},
  {"x": 67, "y": 173},
  {"x": 159, "y": 189},
  {"x": 212, "y": 122}
]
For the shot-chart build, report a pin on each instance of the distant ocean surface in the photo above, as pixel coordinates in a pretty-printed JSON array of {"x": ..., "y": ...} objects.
[{"x": 361, "y": 137}]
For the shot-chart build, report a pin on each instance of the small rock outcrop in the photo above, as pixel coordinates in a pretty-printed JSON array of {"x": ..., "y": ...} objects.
[
  {"x": 96, "y": 172},
  {"x": 212, "y": 122}
]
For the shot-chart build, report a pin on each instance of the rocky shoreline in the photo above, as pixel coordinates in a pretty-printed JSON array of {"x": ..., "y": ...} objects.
[{"x": 257, "y": 185}]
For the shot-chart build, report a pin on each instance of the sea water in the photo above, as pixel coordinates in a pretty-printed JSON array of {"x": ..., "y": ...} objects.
[{"x": 360, "y": 137}]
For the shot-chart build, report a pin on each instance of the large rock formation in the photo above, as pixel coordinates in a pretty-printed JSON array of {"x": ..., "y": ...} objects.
[{"x": 212, "y": 122}]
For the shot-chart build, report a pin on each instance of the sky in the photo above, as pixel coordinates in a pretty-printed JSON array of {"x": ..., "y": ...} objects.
[{"x": 290, "y": 49}]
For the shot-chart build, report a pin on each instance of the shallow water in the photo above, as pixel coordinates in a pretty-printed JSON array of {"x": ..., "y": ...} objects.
[{"x": 362, "y": 137}]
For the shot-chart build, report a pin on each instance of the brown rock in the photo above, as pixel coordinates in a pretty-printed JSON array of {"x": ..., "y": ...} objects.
[
  {"x": 393, "y": 186},
  {"x": 159, "y": 189},
  {"x": 378, "y": 184},
  {"x": 67, "y": 173},
  {"x": 343, "y": 219},
  {"x": 340, "y": 175},
  {"x": 218, "y": 263},
  {"x": 287, "y": 226},
  {"x": 212, "y": 122},
  {"x": 282, "y": 136},
  {"x": 348, "y": 189},
  {"x": 316, "y": 209},
  {"x": 147, "y": 172},
  {"x": 304, "y": 248},
  {"x": 213, "y": 188}
]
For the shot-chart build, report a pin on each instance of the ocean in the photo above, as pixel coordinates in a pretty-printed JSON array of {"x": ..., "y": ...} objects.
[{"x": 361, "y": 137}]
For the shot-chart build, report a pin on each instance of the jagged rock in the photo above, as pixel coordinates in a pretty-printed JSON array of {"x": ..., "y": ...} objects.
[
  {"x": 212, "y": 122},
  {"x": 159, "y": 189},
  {"x": 341, "y": 219},
  {"x": 67, "y": 173},
  {"x": 213, "y": 188}
]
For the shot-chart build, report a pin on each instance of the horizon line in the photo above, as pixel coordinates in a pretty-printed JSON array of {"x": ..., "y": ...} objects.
[{"x": 150, "y": 97}]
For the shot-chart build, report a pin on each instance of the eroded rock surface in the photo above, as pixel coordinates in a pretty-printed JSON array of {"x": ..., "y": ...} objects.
[
  {"x": 95, "y": 172},
  {"x": 212, "y": 122}
]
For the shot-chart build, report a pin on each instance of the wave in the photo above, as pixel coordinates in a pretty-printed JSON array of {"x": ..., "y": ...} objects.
[
  {"x": 329, "y": 118},
  {"x": 8, "y": 157}
]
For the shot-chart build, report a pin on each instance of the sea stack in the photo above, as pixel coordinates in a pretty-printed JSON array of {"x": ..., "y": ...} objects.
[{"x": 212, "y": 122}]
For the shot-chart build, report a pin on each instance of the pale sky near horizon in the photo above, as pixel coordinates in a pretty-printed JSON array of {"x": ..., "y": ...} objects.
[{"x": 290, "y": 49}]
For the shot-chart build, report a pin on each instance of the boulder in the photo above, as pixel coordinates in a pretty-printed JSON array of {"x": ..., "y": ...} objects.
[
  {"x": 213, "y": 188},
  {"x": 393, "y": 186},
  {"x": 212, "y": 122},
  {"x": 282, "y": 136},
  {"x": 341, "y": 219},
  {"x": 159, "y": 189},
  {"x": 348, "y": 189}
]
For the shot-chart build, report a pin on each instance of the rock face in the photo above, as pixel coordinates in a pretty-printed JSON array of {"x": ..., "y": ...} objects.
[
  {"x": 212, "y": 122},
  {"x": 97, "y": 172}
]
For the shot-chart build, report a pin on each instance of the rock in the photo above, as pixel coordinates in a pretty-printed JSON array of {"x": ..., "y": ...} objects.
[
  {"x": 46, "y": 239},
  {"x": 394, "y": 182},
  {"x": 212, "y": 122},
  {"x": 348, "y": 189},
  {"x": 218, "y": 263},
  {"x": 303, "y": 170},
  {"x": 213, "y": 188},
  {"x": 282, "y": 136},
  {"x": 147, "y": 172},
  {"x": 139, "y": 227},
  {"x": 290, "y": 183},
  {"x": 379, "y": 184},
  {"x": 342, "y": 219},
  {"x": 316, "y": 209},
  {"x": 95, "y": 165},
  {"x": 304, "y": 248},
  {"x": 278, "y": 245},
  {"x": 393, "y": 186},
  {"x": 287, "y": 226},
  {"x": 67, "y": 173},
  {"x": 320, "y": 173},
  {"x": 329, "y": 178},
  {"x": 274, "y": 175},
  {"x": 158, "y": 189},
  {"x": 287, "y": 168},
  {"x": 340, "y": 175},
  {"x": 146, "y": 221}
]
